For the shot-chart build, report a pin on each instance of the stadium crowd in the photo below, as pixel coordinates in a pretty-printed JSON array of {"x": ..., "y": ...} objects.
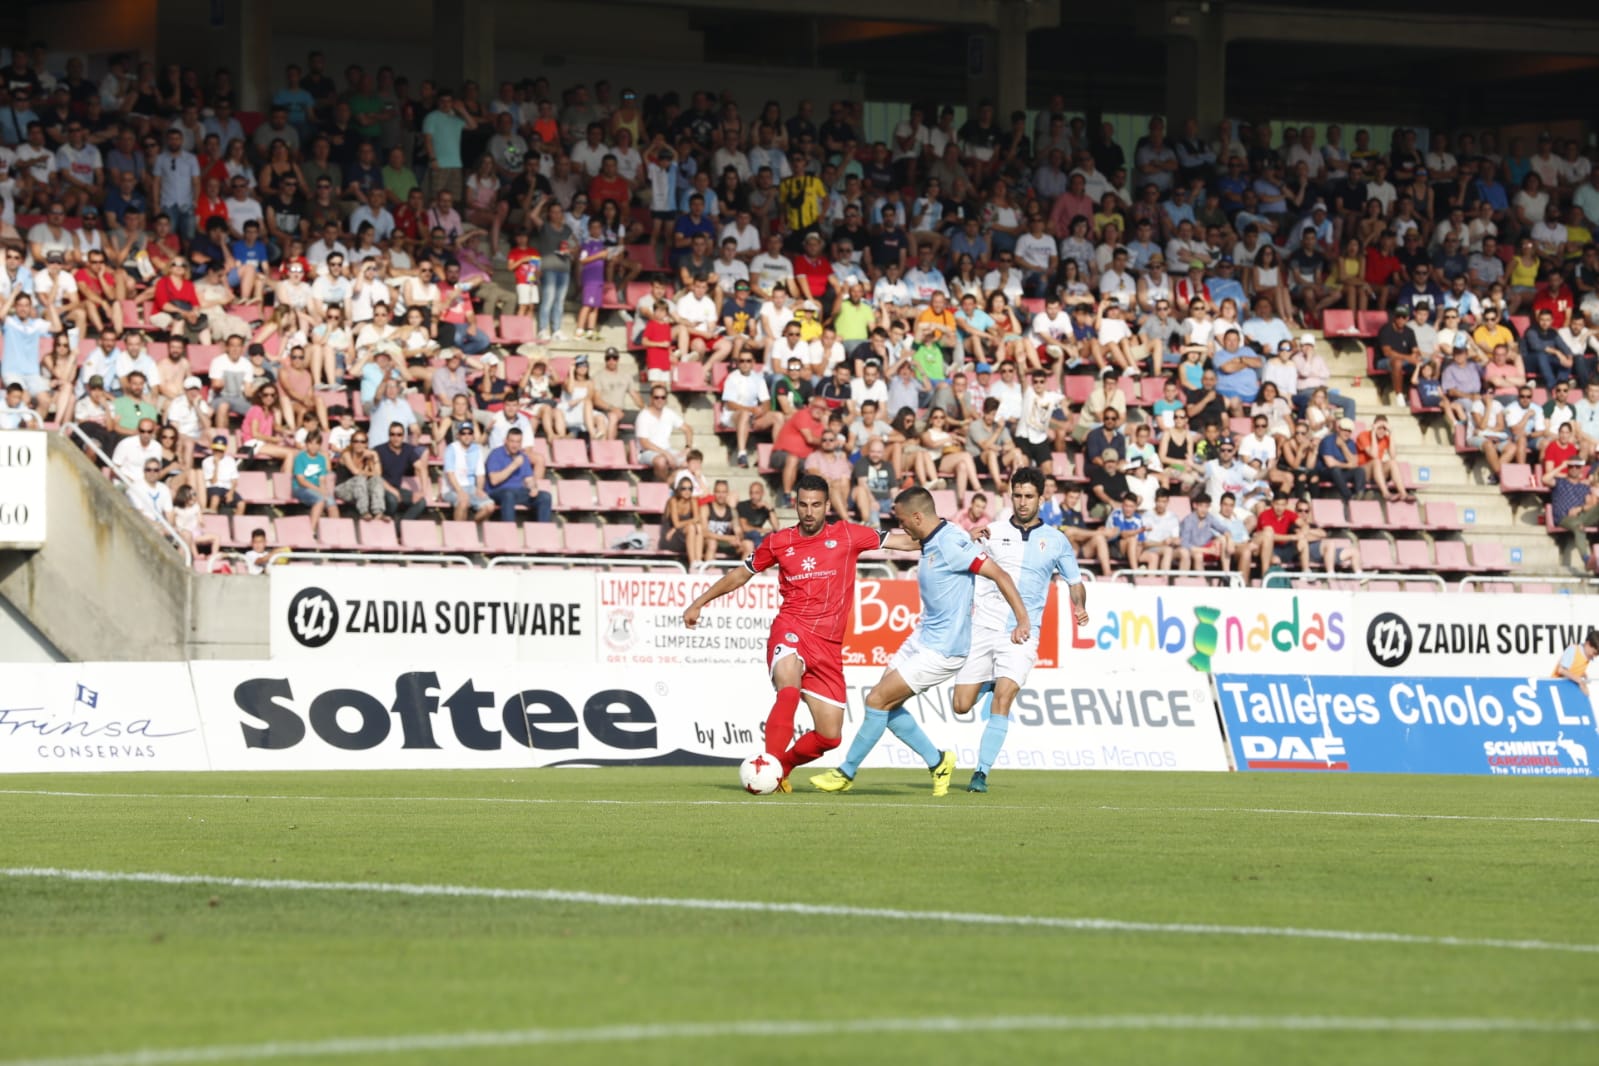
[{"x": 370, "y": 287}]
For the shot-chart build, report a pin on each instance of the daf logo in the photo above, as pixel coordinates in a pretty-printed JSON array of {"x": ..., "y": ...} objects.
[{"x": 313, "y": 617}]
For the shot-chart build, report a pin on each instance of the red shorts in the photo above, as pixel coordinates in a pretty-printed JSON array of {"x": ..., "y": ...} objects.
[{"x": 823, "y": 659}]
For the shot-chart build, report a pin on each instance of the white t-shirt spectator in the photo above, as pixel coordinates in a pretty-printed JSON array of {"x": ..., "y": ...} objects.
[
  {"x": 768, "y": 270},
  {"x": 81, "y": 163},
  {"x": 129, "y": 457},
  {"x": 698, "y": 311},
  {"x": 648, "y": 427},
  {"x": 154, "y": 500},
  {"x": 748, "y": 238},
  {"x": 1035, "y": 252},
  {"x": 224, "y": 469},
  {"x": 466, "y": 465},
  {"x": 746, "y": 389},
  {"x": 860, "y": 392}
]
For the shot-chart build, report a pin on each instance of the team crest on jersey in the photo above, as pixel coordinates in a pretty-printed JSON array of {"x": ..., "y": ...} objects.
[
  {"x": 792, "y": 638},
  {"x": 830, "y": 543}
]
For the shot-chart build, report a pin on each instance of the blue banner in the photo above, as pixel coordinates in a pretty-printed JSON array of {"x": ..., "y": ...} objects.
[{"x": 1410, "y": 725}]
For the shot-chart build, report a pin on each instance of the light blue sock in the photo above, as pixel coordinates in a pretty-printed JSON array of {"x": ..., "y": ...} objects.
[
  {"x": 866, "y": 738},
  {"x": 993, "y": 739},
  {"x": 903, "y": 725},
  {"x": 985, "y": 700}
]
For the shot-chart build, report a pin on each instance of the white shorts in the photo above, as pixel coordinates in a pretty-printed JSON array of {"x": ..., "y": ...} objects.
[
  {"x": 993, "y": 656},
  {"x": 527, "y": 295},
  {"x": 921, "y": 668}
]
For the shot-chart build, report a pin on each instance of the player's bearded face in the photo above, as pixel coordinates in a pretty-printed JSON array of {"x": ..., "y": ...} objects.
[
  {"x": 811, "y": 506},
  {"x": 1024, "y": 502}
]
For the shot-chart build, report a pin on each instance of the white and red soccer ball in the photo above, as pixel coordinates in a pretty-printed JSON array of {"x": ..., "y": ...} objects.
[{"x": 760, "y": 774}]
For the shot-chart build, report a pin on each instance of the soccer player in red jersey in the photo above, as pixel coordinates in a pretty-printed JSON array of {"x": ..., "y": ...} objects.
[{"x": 815, "y": 561}]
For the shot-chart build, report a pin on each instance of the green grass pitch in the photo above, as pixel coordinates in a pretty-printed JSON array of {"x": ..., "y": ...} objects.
[{"x": 108, "y": 968}]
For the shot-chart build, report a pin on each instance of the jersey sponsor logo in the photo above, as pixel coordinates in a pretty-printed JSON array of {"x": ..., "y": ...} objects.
[{"x": 808, "y": 564}]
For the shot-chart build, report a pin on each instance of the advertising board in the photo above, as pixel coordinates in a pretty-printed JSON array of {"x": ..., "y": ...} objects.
[
  {"x": 1405, "y": 724},
  {"x": 99, "y": 717}
]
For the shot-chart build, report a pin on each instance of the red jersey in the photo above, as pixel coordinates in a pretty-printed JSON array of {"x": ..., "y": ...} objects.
[
  {"x": 1280, "y": 524},
  {"x": 816, "y": 574},
  {"x": 817, "y": 269}
]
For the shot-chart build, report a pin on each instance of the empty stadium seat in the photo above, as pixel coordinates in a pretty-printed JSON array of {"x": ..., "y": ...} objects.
[
  {"x": 1443, "y": 516},
  {"x": 1376, "y": 553},
  {"x": 420, "y": 535},
  {"x": 461, "y": 536},
  {"x": 337, "y": 534},
  {"x": 379, "y": 536},
  {"x": 614, "y": 495},
  {"x": 1366, "y": 514},
  {"x": 541, "y": 538},
  {"x": 1404, "y": 516},
  {"x": 1412, "y": 554},
  {"x": 652, "y": 497},
  {"x": 583, "y": 538},
  {"x": 574, "y": 494},
  {"x": 294, "y": 531},
  {"x": 1328, "y": 513}
]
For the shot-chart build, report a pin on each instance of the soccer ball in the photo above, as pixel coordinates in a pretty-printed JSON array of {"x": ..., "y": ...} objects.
[{"x": 760, "y": 774}]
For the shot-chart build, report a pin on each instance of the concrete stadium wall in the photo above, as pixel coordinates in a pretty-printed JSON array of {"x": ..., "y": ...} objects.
[{"x": 107, "y": 586}]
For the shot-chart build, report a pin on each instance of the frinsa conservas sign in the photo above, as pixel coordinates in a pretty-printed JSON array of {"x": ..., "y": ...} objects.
[{"x": 411, "y": 615}]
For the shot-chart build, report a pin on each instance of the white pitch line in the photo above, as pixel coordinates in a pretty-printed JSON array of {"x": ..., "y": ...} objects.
[
  {"x": 605, "y": 899},
  {"x": 1360, "y": 814},
  {"x": 777, "y": 804},
  {"x": 633, "y": 1034}
]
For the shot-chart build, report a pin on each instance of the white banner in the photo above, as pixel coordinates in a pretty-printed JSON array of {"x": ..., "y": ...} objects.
[
  {"x": 1467, "y": 635},
  {"x": 98, "y": 717},
  {"x": 390, "y": 716},
  {"x": 1211, "y": 630},
  {"x": 641, "y": 620},
  {"x": 300, "y": 716},
  {"x": 1071, "y": 719},
  {"x": 23, "y": 458},
  {"x": 342, "y": 613}
]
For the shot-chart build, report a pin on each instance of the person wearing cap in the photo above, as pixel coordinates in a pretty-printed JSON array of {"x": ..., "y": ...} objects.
[
  {"x": 191, "y": 416},
  {"x": 1227, "y": 473},
  {"x": 219, "y": 478},
  {"x": 463, "y": 487},
  {"x": 1338, "y": 460},
  {"x": 741, "y": 322}
]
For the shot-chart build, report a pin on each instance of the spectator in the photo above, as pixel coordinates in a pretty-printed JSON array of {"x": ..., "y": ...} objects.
[
  {"x": 398, "y": 460},
  {"x": 512, "y": 480},
  {"x": 21, "y": 361},
  {"x": 150, "y": 494},
  {"x": 442, "y": 134},
  {"x": 653, "y": 429},
  {"x": 1377, "y": 457},
  {"x": 682, "y": 525},
  {"x": 219, "y": 476},
  {"x": 359, "y": 481},
  {"x": 463, "y": 488},
  {"x": 313, "y": 481},
  {"x": 1338, "y": 460},
  {"x": 754, "y": 517},
  {"x": 831, "y": 464}
]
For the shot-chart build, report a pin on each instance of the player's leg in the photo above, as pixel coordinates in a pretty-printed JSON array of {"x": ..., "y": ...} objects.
[
  {"x": 873, "y": 723},
  {"x": 976, "y": 676},
  {"x": 1012, "y": 664}
]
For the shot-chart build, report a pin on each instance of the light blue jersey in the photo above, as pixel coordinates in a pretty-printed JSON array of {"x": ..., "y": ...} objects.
[
  {"x": 1032, "y": 558},
  {"x": 946, "y": 575}
]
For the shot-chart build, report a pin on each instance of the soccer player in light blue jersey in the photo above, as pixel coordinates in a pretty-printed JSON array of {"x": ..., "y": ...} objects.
[
  {"x": 1032, "y": 554},
  {"x": 934, "y": 652}
]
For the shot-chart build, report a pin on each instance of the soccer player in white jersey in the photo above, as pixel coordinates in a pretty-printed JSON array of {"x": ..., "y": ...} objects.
[
  {"x": 933, "y": 653},
  {"x": 1032, "y": 553}
]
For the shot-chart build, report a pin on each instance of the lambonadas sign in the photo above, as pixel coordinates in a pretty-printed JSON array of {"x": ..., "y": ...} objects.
[{"x": 1211, "y": 628}]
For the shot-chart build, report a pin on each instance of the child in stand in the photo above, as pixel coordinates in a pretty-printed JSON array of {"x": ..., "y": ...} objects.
[
  {"x": 1431, "y": 393},
  {"x": 658, "y": 345},
  {"x": 591, "y": 266},
  {"x": 524, "y": 263},
  {"x": 186, "y": 520}
]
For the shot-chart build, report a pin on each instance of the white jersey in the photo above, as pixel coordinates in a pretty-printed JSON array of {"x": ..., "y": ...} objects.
[{"x": 1032, "y": 558}]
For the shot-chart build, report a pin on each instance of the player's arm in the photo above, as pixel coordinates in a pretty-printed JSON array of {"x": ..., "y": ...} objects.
[
  {"x": 1007, "y": 588},
  {"x": 901, "y": 542},
  {"x": 1076, "y": 587},
  {"x": 735, "y": 578}
]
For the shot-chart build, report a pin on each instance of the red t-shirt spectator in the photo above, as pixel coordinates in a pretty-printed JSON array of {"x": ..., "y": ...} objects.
[
  {"x": 1558, "y": 302},
  {"x": 658, "y": 345},
  {"x": 1555, "y": 454},
  {"x": 817, "y": 270},
  {"x": 1280, "y": 524},
  {"x": 207, "y": 209},
  {"x": 1380, "y": 268},
  {"x": 790, "y": 440},
  {"x": 602, "y": 189},
  {"x": 167, "y": 291}
]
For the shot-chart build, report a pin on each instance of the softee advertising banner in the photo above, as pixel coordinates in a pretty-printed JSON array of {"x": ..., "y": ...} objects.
[{"x": 1426, "y": 725}]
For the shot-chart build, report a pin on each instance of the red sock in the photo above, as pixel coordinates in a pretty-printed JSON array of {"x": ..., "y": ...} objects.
[
  {"x": 780, "y": 720},
  {"x": 808, "y": 748}
]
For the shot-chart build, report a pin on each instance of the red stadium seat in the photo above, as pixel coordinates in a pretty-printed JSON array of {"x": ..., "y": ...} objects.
[
  {"x": 461, "y": 536},
  {"x": 652, "y": 497},
  {"x": 1404, "y": 516},
  {"x": 1376, "y": 553},
  {"x": 543, "y": 538},
  {"x": 502, "y": 538},
  {"x": 294, "y": 531},
  {"x": 614, "y": 495},
  {"x": 337, "y": 534},
  {"x": 569, "y": 453},
  {"x": 1489, "y": 556},
  {"x": 1450, "y": 557},
  {"x": 583, "y": 538},
  {"x": 379, "y": 536},
  {"x": 574, "y": 494},
  {"x": 1329, "y": 513},
  {"x": 1366, "y": 514},
  {"x": 1443, "y": 516},
  {"x": 421, "y": 535},
  {"x": 1339, "y": 322},
  {"x": 1412, "y": 555},
  {"x": 609, "y": 455}
]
